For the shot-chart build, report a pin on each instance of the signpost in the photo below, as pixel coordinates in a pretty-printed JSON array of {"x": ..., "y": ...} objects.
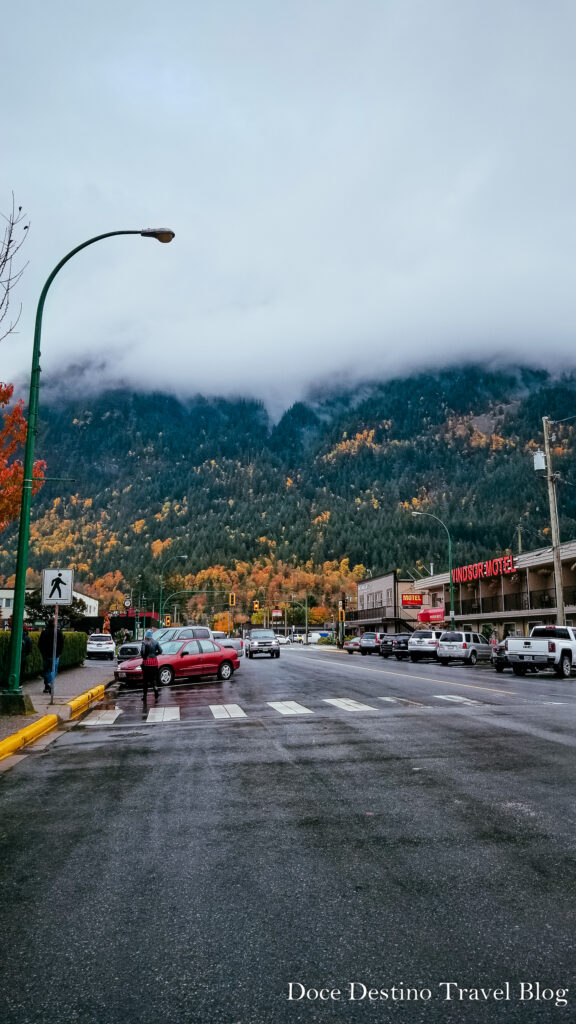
[{"x": 57, "y": 586}]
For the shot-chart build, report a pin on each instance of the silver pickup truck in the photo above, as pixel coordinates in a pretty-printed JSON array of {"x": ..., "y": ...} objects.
[{"x": 547, "y": 647}]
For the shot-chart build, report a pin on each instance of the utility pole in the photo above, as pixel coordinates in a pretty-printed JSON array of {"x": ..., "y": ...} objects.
[{"x": 551, "y": 481}]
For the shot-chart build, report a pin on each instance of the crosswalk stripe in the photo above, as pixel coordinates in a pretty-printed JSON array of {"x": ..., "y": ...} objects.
[
  {"x": 107, "y": 717},
  {"x": 289, "y": 707},
  {"x": 456, "y": 699},
  {"x": 347, "y": 704},
  {"x": 227, "y": 711},
  {"x": 157, "y": 715}
]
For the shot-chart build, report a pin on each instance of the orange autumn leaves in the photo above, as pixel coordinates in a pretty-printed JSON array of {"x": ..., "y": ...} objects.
[{"x": 12, "y": 437}]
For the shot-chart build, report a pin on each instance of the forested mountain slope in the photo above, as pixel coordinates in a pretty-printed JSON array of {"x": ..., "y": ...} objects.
[{"x": 335, "y": 478}]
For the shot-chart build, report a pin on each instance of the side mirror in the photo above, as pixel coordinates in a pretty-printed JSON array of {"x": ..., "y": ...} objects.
[{"x": 184, "y": 653}]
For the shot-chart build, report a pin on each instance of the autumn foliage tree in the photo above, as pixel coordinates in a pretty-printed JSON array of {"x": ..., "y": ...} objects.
[
  {"x": 12, "y": 437},
  {"x": 13, "y": 430}
]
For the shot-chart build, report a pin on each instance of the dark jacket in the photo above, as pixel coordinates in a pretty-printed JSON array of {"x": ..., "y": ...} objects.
[
  {"x": 150, "y": 649},
  {"x": 46, "y": 642}
]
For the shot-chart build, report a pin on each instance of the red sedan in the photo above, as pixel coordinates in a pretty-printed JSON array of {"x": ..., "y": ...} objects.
[{"x": 183, "y": 659}]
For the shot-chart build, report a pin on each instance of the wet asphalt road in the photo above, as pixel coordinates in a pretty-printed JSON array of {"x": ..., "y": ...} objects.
[{"x": 188, "y": 871}]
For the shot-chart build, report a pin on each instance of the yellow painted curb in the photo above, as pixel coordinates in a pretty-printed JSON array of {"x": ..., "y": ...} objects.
[
  {"x": 27, "y": 735},
  {"x": 78, "y": 703}
]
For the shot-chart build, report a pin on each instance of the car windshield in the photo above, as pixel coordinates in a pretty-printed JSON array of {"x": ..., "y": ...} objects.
[
  {"x": 96, "y": 636},
  {"x": 259, "y": 634},
  {"x": 451, "y": 638},
  {"x": 422, "y": 634}
]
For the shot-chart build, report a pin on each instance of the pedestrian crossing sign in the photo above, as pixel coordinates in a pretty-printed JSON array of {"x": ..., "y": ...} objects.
[{"x": 57, "y": 586}]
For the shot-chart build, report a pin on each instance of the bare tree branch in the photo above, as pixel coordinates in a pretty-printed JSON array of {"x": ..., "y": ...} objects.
[{"x": 15, "y": 231}]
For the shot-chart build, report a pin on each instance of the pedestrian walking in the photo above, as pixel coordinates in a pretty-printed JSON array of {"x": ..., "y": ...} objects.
[
  {"x": 50, "y": 656},
  {"x": 149, "y": 652}
]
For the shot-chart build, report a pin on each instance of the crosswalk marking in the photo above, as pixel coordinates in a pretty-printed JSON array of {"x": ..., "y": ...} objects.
[
  {"x": 107, "y": 717},
  {"x": 348, "y": 705},
  {"x": 156, "y": 715},
  {"x": 289, "y": 707},
  {"x": 227, "y": 711},
  {"x": 457, "y": 699}
]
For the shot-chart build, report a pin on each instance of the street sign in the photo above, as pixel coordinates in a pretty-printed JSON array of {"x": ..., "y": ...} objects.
[{"x": 57, "y": 586}]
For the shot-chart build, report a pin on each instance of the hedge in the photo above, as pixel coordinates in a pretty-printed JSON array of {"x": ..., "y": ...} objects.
[{"x": 73, "y": 654}]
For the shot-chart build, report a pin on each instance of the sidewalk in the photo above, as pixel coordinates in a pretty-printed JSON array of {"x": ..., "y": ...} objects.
[{"x": 68, "y": 684}]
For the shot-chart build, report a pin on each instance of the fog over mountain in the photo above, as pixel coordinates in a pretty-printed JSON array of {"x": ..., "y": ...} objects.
[{"x": 355, "y": 187}]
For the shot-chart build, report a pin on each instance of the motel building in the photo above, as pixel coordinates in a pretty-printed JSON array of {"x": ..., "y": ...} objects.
[
  {"x": 508, "y": 594},
  {"x": 384, "y": 604}
]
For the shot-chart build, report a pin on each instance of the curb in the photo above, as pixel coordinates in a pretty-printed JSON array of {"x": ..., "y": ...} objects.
[{"x": 30, "y": 733}]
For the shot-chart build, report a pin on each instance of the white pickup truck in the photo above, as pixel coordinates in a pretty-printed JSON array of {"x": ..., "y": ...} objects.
[{"x": 547, "y": 647}]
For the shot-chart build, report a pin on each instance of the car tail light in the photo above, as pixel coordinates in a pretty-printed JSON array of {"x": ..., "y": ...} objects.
[
  {"x": 464, "y": 646},
  {"x": 551, "y": 646}
]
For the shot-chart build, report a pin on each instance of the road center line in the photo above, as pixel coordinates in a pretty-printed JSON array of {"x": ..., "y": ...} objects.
[{"x": 425, "y": 679}]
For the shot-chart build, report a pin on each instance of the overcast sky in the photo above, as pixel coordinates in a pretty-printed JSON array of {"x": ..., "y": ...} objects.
[{"x": 363, "y": 187}]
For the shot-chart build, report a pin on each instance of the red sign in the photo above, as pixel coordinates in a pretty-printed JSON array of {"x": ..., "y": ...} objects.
[
  {"x": 503, "y": 566},
  {"x": 431, "y": 615},
  {"x": 276, "y": 613},
  {"x": 409, "y": 600}
]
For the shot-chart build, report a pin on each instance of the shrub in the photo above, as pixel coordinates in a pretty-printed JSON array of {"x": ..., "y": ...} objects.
[{"x": 73, "y": 654}]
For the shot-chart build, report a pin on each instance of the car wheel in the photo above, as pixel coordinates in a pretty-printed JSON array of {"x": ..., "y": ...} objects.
[
  {"x": 443, "y": 661},
  {"x": 225, "y": 670},
  {"x": 473, "y": 657},
  {"x": 519, "y": 670},
  {"x": 398, "y": 657},
  {"x": 166, "y": 675},
  {"x": 363, "y": 653},
  {"x": 349, "y": 652},
  {"x": 564, "y": 668},
  {"x": 499, "y": 668},
  {"x": 414, "y": 657}
]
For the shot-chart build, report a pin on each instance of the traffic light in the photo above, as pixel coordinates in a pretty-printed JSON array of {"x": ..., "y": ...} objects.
[
  {"x": 341, "y": 615},
  {"x": 167, "y": 620},
  {"x": 231, "y": 600},
  {"x": 256, "y": 606}
]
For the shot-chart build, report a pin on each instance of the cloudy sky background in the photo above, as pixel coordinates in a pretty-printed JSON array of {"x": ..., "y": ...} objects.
[{"x": 358, "y": 187}]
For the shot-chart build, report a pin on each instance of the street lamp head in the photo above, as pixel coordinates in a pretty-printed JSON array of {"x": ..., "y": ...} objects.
[{"x": 162, "y": 234}]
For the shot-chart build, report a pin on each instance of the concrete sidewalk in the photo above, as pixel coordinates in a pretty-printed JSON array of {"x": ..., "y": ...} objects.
[{"x": 68, "y": 684}]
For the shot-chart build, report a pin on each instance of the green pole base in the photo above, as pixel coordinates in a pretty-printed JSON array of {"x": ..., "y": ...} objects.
[{"x": 14, "y": 703}]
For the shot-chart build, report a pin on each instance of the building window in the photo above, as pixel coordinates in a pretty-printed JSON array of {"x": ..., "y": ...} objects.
[{"x": 389, "y": 596}]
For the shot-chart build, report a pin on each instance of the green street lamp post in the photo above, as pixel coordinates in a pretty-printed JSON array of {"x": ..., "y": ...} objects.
[
  {"x": 12, "y": 695},
  {"x": 161, "y": 604},
  {"x": 429, "y": 514}
]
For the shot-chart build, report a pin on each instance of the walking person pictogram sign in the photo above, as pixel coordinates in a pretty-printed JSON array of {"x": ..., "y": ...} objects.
[{"x": 57, "y": 586}]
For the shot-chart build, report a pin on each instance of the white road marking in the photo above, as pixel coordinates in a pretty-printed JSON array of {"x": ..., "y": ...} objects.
[
  {"x": 392, "y": 700},
  {"x": 158, "y": 715},
  {"x": 348, "y": 705},
  {"x": 458, "y": 700},
  {"x": 227, "y": 711},
  {"x": 107, "y": 717},
  {"x": 289, "y": 707}
]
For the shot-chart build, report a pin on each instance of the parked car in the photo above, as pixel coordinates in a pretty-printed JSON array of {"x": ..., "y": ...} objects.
[
  {"x": 100, "y": 645},
  {"x": 462, "y": 645},
  {"x": 232, "y": 641},
  {"x": 547, "y": 647},
  {"x": 424, "y": 644},
  {"x": 370, "y": 643},
  {"x": 352, "y": 645},
  {"x": 184, "y": 659},
  {"x": 184, "y": 633},
  {"x": 283, "y": 639},
  {"x": 262, "y": 641},
  {"x": 297, "y": 638},
  {"x": 386, "y": 644},
  {"x": 400, "y": 645}
]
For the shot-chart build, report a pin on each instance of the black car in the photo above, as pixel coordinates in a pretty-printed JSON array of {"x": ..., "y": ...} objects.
[
  {"x": 386, "y": 642},
  {"x": 400, "y": 646}
]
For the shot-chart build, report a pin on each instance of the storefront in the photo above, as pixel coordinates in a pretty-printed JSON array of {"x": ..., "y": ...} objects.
[
  {"x": 386, "y": 604},
  {"x": 509, "y": 593}
]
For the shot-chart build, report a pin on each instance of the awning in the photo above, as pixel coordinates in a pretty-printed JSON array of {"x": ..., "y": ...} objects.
[{"x": 431, "y": 615}]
